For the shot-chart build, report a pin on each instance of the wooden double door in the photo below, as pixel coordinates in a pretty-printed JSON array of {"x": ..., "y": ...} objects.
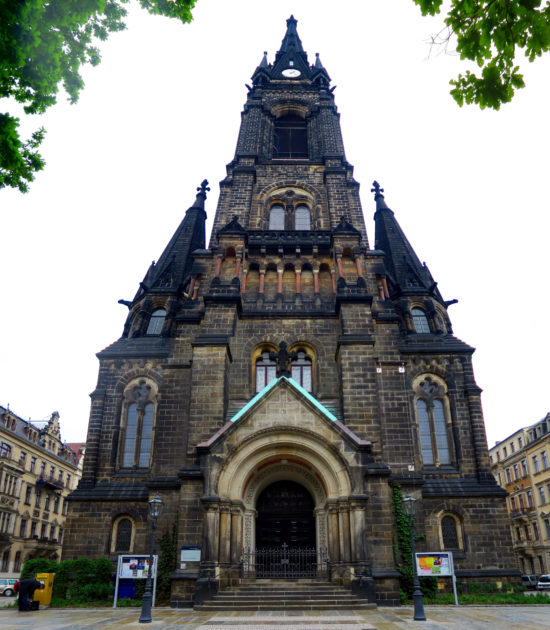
[{"x": 285, "y": 517}]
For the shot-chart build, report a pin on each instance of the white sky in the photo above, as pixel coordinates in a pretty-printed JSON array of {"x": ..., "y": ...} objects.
[{"x": 162, "y": 112}]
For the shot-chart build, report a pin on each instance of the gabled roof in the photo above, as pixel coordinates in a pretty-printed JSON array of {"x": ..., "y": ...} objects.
[
  {"x": 311, "y": 401},
  {"x": 254, "y": 401}
]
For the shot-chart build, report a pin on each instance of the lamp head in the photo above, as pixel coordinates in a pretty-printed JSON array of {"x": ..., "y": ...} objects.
[
  {"x": 409, "y": 505},
  {"x": 155, "y": 506}
]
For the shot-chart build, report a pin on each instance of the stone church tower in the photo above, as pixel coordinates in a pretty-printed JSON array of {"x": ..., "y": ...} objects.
[{"x": 276, "y": 386}]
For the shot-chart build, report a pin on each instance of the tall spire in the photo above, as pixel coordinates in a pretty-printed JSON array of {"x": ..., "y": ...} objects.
[
  {"x": 408, "y": 274},
  {"x": 176, "y": 260},
  {"x": 291, "y": 54}
]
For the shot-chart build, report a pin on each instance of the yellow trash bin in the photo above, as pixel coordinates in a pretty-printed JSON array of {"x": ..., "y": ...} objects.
[{"x": 44, "y": 595}]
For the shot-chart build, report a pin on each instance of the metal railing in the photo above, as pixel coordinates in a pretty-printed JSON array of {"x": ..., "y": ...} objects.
[{"x": 285, "y": 562}]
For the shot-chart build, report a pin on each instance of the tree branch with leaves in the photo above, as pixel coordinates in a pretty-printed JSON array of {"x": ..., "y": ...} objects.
[
  {"x": 43, "y": 44},
  {"x": 492, "y": 33}
]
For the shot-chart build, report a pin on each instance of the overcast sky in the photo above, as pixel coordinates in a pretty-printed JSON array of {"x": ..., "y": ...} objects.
[{"x": 162, "y": 112}]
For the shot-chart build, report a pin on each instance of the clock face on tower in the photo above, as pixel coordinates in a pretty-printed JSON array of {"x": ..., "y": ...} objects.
[{"x": 291, "y": 73}]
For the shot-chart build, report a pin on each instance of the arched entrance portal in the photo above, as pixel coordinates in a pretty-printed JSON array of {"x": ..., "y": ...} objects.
[
  {"x": 285, "y": 516},
  {"x": 285, "y": 534}
]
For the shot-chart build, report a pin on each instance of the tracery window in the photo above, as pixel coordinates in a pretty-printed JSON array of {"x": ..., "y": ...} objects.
[
  {"x": 266, "y": 370},
  {"x": 290, "y": 137},
  {"x": 420, "y": 321},
  {"x": 138, "y": 416},
  {"x": 277, "y": 217},
  {"x": 302, "y": 217},
  {"x": 293, "y": 218},
  {"x": 432, "y": 416},
  {"x": 156, "y": 322},
  {"x": 301, "y": 371}
]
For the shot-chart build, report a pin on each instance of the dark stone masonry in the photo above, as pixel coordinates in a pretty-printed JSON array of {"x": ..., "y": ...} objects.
[{"x": 201, "y": 401}]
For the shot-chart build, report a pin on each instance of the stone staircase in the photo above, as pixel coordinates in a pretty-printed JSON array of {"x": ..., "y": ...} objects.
[{"x": 285, "y": 595}]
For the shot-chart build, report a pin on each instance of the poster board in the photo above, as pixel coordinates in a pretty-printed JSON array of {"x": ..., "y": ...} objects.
[
  {"x": 135, "y": 567},
  {"x": 437, "y": 564}
]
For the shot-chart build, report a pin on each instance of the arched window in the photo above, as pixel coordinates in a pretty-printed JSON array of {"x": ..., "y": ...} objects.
[
  {"x": 266, "y": 370},
  {"x": 137, "y": 424},
  {"x": 432, "y": 417},
  {"x": 277, "y": 217},
  {"x": 301, "y": 371},
  {"x": 302, "y": 217},
  {"x": 290, "y": 138},
  {"x": 449, "y": 533},
  {"x": 420, "y": 321},
  {"x": 156, "y": 322},
  {"x": 122, "y": 538}
]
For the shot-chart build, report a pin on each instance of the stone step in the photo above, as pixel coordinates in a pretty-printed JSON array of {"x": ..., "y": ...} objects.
[
  {"x": 285, "y": 596},
  {"x": 292, "y": 600},
  {"x": 214, "y": 606}
]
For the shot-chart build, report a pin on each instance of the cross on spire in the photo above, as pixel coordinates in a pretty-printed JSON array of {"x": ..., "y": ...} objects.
[
  {"x": 376, "y": 190},
  {"x": 203, "y": 188}
]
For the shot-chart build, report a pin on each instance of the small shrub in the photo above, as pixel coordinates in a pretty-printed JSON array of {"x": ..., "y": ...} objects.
[{"x": 38, "y": 565}]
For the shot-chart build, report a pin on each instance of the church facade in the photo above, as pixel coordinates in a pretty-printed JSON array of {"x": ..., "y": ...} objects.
[{"x": 276, "y": 386}]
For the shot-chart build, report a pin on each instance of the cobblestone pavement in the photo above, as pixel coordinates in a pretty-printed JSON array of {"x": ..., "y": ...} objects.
[{"x": 535, "y": 617}]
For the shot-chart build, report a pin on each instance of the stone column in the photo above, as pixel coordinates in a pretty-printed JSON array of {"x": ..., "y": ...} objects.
[
  {"x": 298, "y": 281},
  {"x": 343, "y": 523},
  {"x": 333, "y": 533},
  {"x": 333, "y": 278},
  {"x": 340, "y": 269},
  {"x": 358, "y": 504},
  {"x": 236, "y": 520},
  {"x": 243, "y": 285},
  {"x": 279, "y": 281},
  {"x": 211, "y": 529},
  {"x": 316, "y": 281},
  {"x": 225, "y": 533},
  {"x": 237, "y": 267},
  {"x": 218, "y": 266}
]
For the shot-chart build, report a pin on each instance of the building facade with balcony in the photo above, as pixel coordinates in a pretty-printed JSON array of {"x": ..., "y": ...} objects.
[
  {"x": 37, "y": 472},
  {"x": 521, "y": 466}
]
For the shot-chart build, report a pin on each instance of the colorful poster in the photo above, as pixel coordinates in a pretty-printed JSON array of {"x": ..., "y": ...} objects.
[
  {"x": 438, "y": 564},
  {"x": 136, "y": 567}
]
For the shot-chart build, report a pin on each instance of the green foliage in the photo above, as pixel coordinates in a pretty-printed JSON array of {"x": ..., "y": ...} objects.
[
  {"x": 403, "y": 552},
  {"x": 42, "y": 47},
  {"x": 485, "y": 599},
  {"x": 492, "y": 33},
  {"x": 38, "y": 565},
  {"x": 76, "y": 581},
  {"x": 168, "y": 561}
]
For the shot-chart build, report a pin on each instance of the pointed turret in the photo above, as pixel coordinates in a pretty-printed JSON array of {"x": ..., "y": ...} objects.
[
  {"x": 407, "y": 274},
  {"x": 176, "y": 261},
  {"x": 320, "y": 75},
  {"x": 291, "y": 59}
]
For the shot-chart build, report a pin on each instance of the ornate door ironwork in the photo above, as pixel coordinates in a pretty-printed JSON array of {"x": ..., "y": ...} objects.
[{"x": 285, "y": 562}]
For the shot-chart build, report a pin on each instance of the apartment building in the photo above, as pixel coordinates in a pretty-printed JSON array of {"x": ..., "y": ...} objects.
[
  {"x": 520, "y": 464},
  {"x": 37, "y": 472}
]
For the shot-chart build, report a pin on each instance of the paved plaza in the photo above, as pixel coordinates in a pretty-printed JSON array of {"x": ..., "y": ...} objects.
[{"x": 438, "y": 618}]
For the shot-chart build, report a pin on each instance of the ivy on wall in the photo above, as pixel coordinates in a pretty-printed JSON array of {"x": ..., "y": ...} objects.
[{"x": 403, "y": 551}]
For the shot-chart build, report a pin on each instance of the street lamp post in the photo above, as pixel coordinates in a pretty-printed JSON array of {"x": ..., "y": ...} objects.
[
  {"x": 409, "y": 507},
  {"x": 155, "y": 508}
]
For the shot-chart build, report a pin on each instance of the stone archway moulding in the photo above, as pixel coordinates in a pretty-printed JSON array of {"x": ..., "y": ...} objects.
[
  {"x": 284, "y": 454},
  {"x": 283, "y": 443}
]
